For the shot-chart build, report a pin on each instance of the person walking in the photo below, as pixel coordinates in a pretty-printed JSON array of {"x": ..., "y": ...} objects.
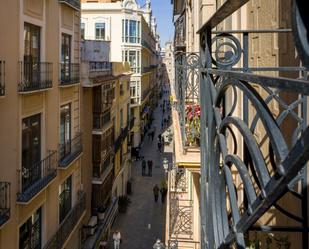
[
  {"x": 143, "y": 167},
  {"x": 117, "y": 239},
  {"x": 149, "y": 167},
  {"x": 156, "y": 192},
  {"x": 163, "y": 191}
]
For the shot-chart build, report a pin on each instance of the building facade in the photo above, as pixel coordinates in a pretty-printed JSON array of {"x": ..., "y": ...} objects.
[
  {"x": 106, "y": 126},
  {"x": 42, "y": 196},
  {"x": 132, "y": 32}
]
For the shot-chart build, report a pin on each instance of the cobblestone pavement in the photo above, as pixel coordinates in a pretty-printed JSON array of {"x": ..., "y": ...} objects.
[{"x": 144, "y": 221}]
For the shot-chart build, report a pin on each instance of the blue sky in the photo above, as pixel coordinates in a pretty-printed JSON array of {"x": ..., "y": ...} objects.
[{"x": 162, "y": 9}]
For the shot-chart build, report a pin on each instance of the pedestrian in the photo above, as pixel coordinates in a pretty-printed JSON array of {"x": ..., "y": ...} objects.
[
  {"x": 159, "y": 137},
  {"x": 158, "y": 245},
  {"x": 143, "y": 167},
  {"x": 156, "y": 192},
  {"x": 149, "y": 167},
  {"x": 159, "y": 146},
  {"x": 152, "y": 135},
  {"x": 163, "y": 191},
  {"x": 117, "y": 239},
  {"x": 162, "y": 124}
]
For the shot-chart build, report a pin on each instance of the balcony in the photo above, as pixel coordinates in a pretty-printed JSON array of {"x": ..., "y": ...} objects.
[
  {"x": 75, "y": 4},
  {"x": 69, "y": 74},
  {"x": 68, "y": 224},
  {"x": 186, "y": 96},
  {"x": 146, "y": 70},
  {"x": 123, "y": 135},
  {"x": 96, "y": 72},
  {"x": 2, "y": 78},
  {"x": 102, "y": 169},
  {"x": 35, "y": 76},
  {"x": 35, "y": 178},
  {"x": 69, "y": 151},
  {"x": 109, "y": 217},
  {"x": 180, "y": 33},
  {"x": 4, "y": 202},
  {"x": 135, "y": 101}
]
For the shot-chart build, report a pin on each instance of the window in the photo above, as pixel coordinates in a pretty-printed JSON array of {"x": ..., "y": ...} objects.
[
  {"x": 31, "y": 150},
  {"x": 65, "y": 198},
  {"x": 65, "y": 57},
  {"x": 82, "y": 30},
  {"x": 30, "y": 232},
  {"x": 134, "y": 92},
  {"x": 133, "y": 57},
  {"x": 100, "y": 31},
  {"x": 131, "y": 31},
  {"x": 65, "y": 130}
]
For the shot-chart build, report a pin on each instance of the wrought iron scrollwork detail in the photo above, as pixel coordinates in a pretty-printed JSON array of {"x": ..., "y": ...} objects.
[{"x": 227, "y": 51}]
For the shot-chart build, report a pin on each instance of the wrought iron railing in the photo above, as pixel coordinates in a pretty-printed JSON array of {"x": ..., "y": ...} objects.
[
  {"x": 181, "y": 219},
  {"x": 35, "y": 76},
  {"x": 2, "y": 78},
  {"x": 5, "y": 200},
  {"x": 122, "y": 136},
  {"x": 68, "y": 224},
  {"x": 69, "y": 73},
  {"x": 70, "y": 150},
  {"x": 99, "y": 167},
  {"x": 35, "y": 178},
  {"x": 100, "y": 66},
  {"x": 187, "y": 94},
  {"x": 75, "y": 4},
  {"x": 265, "y": 146}
]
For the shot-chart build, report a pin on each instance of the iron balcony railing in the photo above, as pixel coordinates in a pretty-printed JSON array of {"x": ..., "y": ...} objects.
[
  {"x": 146, "y": 70},
  {"x": 100, "y": 66},
  {"x": 187, "y": 90},
  {"x": 68, "y": 224},
  {"x": 75, "y": 4},
  {"x": 123, "y": 135},
  {"x": 5, "y": 200},
  {"x": 69, "y": 73},
  {"x": 70, "y": 150},
  {"x": 2, "y": 78},
  {"x": 251, "y": 159},
  {"x": 35, "y": 76},
  {"x": 35, "y": 178}
]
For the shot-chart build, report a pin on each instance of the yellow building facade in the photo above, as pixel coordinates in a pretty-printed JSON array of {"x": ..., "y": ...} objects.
[{"x": 41, "y": 128}]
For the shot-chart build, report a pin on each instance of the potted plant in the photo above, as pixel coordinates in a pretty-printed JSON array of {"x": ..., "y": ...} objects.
[
  {"x": 193, "y": 124},
  {"x": 123, "y": 202}
]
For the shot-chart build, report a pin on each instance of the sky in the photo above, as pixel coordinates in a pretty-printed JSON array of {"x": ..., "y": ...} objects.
[{"x": 162, "y": 10}]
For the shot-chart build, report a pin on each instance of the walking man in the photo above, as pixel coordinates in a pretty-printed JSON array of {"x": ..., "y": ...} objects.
[
  {"x": 143, "y": 167},
  {"x": 117, "y": 239},
  {"x": 156, "y": 192},
  {"x": 158, "y": 245},
  {"x": 149, "y": 167},
  {"x": 163, "y": 191}
]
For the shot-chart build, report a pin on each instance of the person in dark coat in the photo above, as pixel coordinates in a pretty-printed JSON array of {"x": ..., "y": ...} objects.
[
  {"x": 163, "y": 191},
  {"x": 143, "y": 167},
  {"x": 149, "y": 167},
  {"x": 156, "y": 192}
]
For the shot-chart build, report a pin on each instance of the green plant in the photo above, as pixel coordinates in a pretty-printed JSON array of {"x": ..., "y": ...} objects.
[{"x": 123, "y": 202}]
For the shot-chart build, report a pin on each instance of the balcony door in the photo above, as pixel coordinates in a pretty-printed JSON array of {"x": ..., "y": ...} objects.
[
  {"x": 65, "y": 130},
  {"x": 65, "y": 198},
  {"x": 32, "y": 48},
  {"x": 30, "y": 232},
  {"x": 31, "y": 150},
  {"x": 65, "y": 57}
]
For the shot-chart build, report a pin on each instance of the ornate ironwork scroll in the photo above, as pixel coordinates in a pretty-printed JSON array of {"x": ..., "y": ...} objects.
[{"x": 252, "y": 158}]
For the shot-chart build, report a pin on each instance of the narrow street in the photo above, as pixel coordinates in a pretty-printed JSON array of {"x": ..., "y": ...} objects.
[{"x": 144, "y": 221}]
